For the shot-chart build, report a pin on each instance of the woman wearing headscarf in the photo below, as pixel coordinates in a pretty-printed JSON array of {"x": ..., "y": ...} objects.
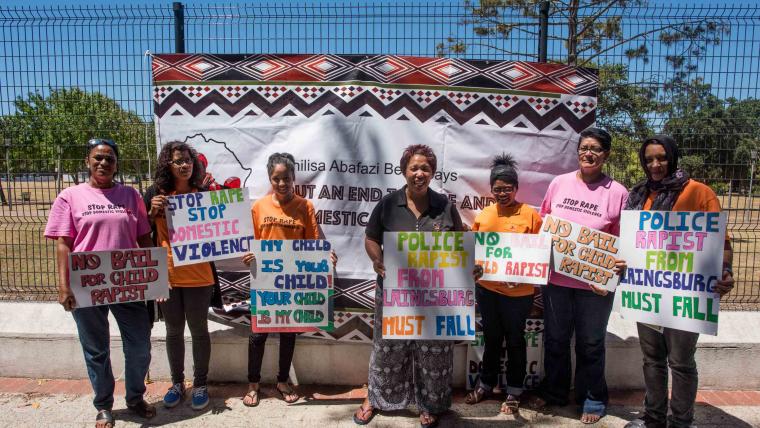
[
  {"x": 668, "y": 188},
  {"x": 588, "y": 197},
  {"x": 503, "y": 306},
  {"x": 404, "y": 372},
  {"x": 102, "y": 215}
]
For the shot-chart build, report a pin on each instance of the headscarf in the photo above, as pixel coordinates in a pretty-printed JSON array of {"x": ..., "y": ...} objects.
[{"x": 668, "y": 188}]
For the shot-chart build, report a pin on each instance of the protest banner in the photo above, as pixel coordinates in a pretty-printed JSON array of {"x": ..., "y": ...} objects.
[
  {"x": 119, "y": 276},
  {"x": 534, "y": 367},
  {"x": 208, "y": 226},
  {"x": 582, "y": 253},
  {"x": 513, "y": 257},
  {"x": 428, "y": 290},
  {"x": 348, "y": 118},
  {"x": 291, "y": 286},
  {"x": 674, "y": 260}
]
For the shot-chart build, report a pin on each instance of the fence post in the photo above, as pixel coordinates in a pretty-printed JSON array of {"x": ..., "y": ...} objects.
[
  {"x": 179, "y": 27},
  {"x": 7, "y": 144},
  {"x": 543, "y": 30}
]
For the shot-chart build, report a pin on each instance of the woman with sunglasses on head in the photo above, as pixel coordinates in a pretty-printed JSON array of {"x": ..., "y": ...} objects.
[
  {"x": 103, "y": 215},
  {"x": 180, "y": 171},
  {"x": 588, "y": 197},
  {"x": 503, "y": 306},
  {"x": 279, "y": 215},
  {"x": 668, "y": 188}
]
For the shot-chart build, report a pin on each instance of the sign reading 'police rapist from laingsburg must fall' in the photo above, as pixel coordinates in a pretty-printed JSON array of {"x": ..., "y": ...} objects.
[
  {"x": 208, "y": 226},
  {"x": 119, "y": 276},
  {"x": 674, "y": 261},
  {"x": 428, "y": 290},
  {"x": 582, "y": 253},
  {"x": 513, "y": 257},
  {"x": 291, "y": 286}
]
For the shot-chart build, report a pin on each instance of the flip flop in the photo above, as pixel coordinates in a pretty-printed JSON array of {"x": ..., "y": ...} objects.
[
  {"x": 363, "y": 415},
  {"x": 476, "y": 396},
  {"x": 287, "y": 392},
  {"x": 254, "y": 398},
  {"x": 106, "y": 418}
]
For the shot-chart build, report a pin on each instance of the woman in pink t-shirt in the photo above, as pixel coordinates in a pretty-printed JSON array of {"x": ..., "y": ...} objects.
[
  {"x": 588, "y": 197},
  {"x": 100, "y": 215}
]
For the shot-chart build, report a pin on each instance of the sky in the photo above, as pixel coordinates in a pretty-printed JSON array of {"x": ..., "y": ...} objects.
[{"x": 100, "y": 48}]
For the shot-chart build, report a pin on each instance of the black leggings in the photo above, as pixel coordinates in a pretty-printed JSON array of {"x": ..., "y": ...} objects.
[
  {"x": 188, "y": 304},
  {"x": 256, "y": 343}
]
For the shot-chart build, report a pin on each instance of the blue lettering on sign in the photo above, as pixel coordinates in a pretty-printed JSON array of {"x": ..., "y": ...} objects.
[
  {"x": 272, "y": 265},
  {"x": 270, "y": 244}
]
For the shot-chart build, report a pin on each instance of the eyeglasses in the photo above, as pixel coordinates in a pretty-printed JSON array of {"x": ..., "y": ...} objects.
[
  {"x": 102, "y": 141},
  {"x": 502, "y": 190},
  {"x": 593, "y": 150},
  {"x": 181, "y": 162}
]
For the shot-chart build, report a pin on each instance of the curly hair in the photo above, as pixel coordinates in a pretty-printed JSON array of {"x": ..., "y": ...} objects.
[
  {"x": 418, "y": 149},
  {"x": 163, "y": 177},
  {"x": 504, "y": 168}
]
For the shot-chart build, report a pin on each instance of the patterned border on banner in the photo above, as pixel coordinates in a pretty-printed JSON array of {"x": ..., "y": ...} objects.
[{"x": 513, "y": 94}]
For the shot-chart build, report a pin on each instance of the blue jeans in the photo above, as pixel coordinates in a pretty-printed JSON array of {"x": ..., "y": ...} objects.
[
  {"x": 567, "y": 311},
  {"x": 134, "y": 325}
]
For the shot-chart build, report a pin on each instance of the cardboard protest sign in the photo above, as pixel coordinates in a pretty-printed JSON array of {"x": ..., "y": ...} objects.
[
  {"x": 291, "y": 286},
  {"x": 582, "y": 253},
  {"x": 428, "y": 290},
  {"x": 208, "y": 226},
  {"x": 513, "y": 257},
  {"x": 674, "y": 260},
  {"x": 119, "y": 276},
  {"x": 534, "y": 343}
]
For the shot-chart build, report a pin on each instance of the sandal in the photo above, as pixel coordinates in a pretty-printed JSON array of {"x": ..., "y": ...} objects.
[
  {"x": 104, "y": 419},
  {"x": 476, "y": 395},
  {"x": 252, "y": 397},
  {"x": 428, "y": 420},
  {"x": 590, "y": 418},
  {"x": 363, "y": 415},
  {"x": 511, "y": 405},
  {"x": 143, "y": 409},
  {"x": 285, "y": 393}
]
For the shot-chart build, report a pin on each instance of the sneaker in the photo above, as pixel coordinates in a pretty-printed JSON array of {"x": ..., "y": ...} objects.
[
  {"x": 200, "y": 397},
  {"x": 174, "y": 395}
]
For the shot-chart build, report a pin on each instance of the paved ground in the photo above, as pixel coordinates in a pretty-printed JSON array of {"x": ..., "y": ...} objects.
[{"x": 67, "y": 403}]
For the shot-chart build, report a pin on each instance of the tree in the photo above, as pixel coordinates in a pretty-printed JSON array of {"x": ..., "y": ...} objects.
[{"x": 46, "y": 130}]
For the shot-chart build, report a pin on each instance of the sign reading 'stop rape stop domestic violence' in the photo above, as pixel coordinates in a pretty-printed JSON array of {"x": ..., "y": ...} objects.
[
  {"x": 428, "y": 290},
  {"x": 208, "y": 226},
  {"x": 674, "y": 261}
]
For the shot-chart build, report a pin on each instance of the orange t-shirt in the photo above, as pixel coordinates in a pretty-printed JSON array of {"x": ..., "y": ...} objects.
[
  {"x": 195, "y": 275},
  {"x": 294, "y": 220},
  {"x": 695, "y": 196},
  {"x": 518, "y": 218}
]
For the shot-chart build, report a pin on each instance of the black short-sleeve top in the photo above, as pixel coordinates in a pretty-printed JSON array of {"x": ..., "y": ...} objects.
[{"x": 392, "y": 214}]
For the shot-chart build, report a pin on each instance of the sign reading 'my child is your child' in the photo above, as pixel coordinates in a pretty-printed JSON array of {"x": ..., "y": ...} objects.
[
  {"x": 208, "y": 226},
  {"x": 428, "y": 291},
  {"x": 674, "y": 260},
  {"x": 291, "y": 286},
  {"x": 100, "y": 278}
]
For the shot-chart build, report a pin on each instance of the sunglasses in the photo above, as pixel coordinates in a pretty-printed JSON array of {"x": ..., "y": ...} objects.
[{"x": 102, "y": 141}]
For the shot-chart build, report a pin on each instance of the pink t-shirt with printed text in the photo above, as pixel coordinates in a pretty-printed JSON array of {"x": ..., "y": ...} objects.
[
  {"x": 98, "y": 219},
  {"x": 596, "y": 205}
]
